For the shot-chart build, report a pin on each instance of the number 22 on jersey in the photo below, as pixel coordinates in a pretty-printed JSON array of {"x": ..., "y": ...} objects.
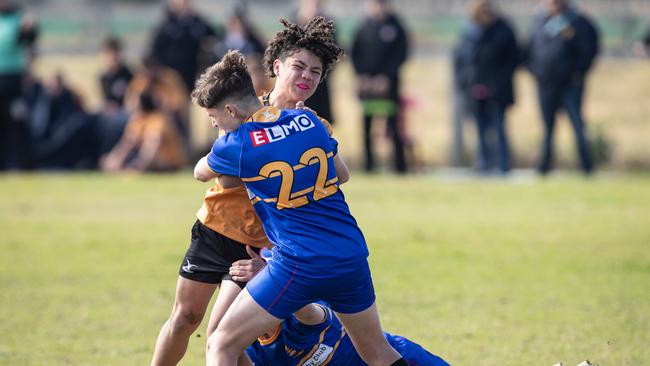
[{"x": 322, "y": 187}]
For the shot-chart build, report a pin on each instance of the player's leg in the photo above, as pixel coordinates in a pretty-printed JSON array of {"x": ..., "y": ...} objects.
[
  {"x": 205, "y": 264},
  {"x": 244, "y": 321},
  {"x": 352, "y": 296},
  {"x": 273, "y": 294},
  {"x": 227, "y": 294},
  {"x": 364, "y": 329},
  {"x": 190, "y": 304}
]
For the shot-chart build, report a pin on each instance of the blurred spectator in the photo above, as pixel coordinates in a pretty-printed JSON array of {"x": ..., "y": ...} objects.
[
  {"x": 150, "y": 142},
  {"x": 167, "y": 89},
  {"x": 320, "y": 101},
  {"x": 114, "y": 81},
  {"x": 116, "y": 75},
  {"x": 17, "y": 37},
  {"x": 646, "y": 42},
  {"x": 459, "y": 114},
  {"x": 181, "y": 38},
  {"x": 486, "y": 58},
  {"x": 563, "y": 46},
  {"x": 379, "y": 49},
  {"x": 642, "y": 47},
  {"x": 241, "y": 35},
  {"x": 30, "y": 110},
  {"x": 62, "y": 135}
]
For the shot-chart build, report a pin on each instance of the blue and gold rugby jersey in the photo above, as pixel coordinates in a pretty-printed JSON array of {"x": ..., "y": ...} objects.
[
  {"x": 286, "y": 160},
  {"x": 297, "y": 344}
]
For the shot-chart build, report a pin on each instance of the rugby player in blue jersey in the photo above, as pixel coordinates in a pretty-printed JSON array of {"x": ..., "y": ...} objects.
[
  {"x": 288, "y": 162},
  {"x": 216, "y": 238},
  {"x": 314, "y": 336}
]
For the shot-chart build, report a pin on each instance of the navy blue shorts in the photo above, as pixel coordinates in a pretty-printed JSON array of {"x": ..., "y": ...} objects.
[{"x": 282, "y": 289}]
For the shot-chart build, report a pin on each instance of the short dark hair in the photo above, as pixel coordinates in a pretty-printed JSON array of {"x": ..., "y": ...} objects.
[
  {"x": 112, "y": 43},
  {"x": 228, "y": 78},
  {"x": 317, "y": 36}
]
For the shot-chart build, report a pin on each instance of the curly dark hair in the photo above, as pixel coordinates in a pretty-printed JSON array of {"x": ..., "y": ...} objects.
[
  {"x": 317, "y": 36},
  {"x": 228, "y": 78}
]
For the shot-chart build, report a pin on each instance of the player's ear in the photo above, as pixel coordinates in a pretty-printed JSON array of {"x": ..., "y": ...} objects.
[
  {"x": 276, "y": 66},
  {"x": 230, "y": 109}
]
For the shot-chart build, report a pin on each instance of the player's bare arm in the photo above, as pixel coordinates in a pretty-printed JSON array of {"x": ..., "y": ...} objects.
[
  {"x": 342, "y": 171},
  {"x": 203, "y": 172}
]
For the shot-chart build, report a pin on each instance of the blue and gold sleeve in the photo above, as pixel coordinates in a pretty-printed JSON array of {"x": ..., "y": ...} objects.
[
  {"x": 225, "y": 155},
  {"x": 335, "y": 146},
  {"x": 328, "y": 129}
]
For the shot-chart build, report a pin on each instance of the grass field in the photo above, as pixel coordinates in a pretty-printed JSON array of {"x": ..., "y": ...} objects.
[{"x": 515, "y": 272}]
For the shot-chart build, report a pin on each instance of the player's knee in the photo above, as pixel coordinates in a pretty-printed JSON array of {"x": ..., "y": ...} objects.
[
  {"x": 219, "y": 341},
  {"x": 210, "y": 345},
  {"x": 213, "y": 344},
  {"x": 186, "y": 320}
]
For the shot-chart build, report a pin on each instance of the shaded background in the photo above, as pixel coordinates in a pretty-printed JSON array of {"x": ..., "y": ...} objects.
[{"x": 616, "y": 103}]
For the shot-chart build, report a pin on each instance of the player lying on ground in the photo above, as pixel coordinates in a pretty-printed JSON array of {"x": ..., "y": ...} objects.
[
  {"x": 287, "y": 158},
  {"x": 314, "y": 336}
]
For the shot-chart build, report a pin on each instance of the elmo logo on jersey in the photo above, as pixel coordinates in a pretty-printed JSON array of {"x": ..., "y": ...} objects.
[{"x": 272, "y": 134}]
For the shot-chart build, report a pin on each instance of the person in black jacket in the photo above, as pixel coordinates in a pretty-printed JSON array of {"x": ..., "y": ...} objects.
[
  {"x": 181, "y": 38},
  {"x": 18, "y": 33},
  {"x": 485, "y": 61},
  {"x": 562, "y": 49},
  {"x": 116, "y": 76},
  {"x": 114, "y": 81},
  {"x": 380, "y": 48}
]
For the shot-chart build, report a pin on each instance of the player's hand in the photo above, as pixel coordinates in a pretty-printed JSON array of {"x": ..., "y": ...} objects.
[
  {"x": 244, "y": 270},
  {"x": 301, "y": 105}
]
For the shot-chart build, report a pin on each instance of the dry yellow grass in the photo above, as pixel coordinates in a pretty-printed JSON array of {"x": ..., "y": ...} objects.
[{"x": 617, "y": 100}]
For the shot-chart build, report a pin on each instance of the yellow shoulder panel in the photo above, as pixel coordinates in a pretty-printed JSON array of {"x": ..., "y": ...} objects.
[{"x": 266, "y": 114}]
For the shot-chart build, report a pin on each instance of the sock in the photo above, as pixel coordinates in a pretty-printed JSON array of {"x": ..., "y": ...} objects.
[{"x": 400, "y": 362}]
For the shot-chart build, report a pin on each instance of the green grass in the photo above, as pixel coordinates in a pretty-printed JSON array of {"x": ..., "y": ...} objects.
[{"x": 481, "y": 272}]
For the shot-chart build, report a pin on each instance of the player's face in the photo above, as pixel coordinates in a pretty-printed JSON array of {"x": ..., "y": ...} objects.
[
  {"x": 223, "y": 119},
  {"x": 298, "y": 75}
]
